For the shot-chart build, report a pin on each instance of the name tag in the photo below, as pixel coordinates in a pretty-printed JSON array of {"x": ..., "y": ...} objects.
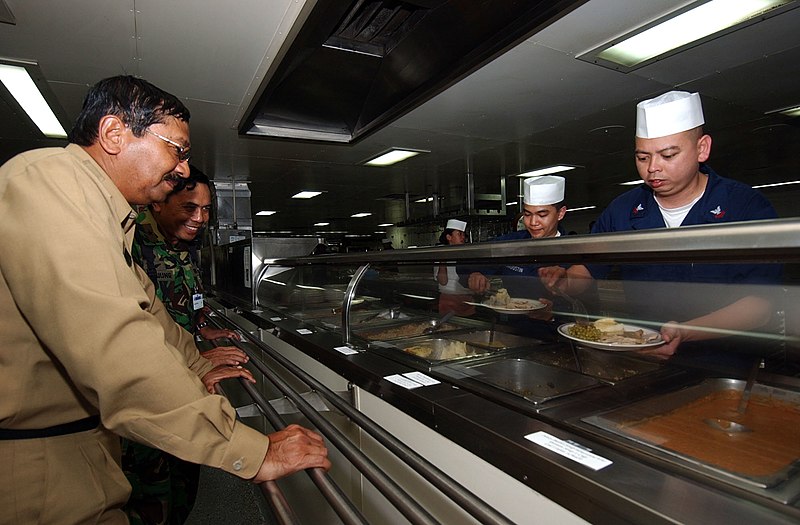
[{"x": 197, "y": 301}]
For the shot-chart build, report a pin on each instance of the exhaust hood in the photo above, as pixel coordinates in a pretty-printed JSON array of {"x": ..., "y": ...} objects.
[{"x": 356, "y": 66}]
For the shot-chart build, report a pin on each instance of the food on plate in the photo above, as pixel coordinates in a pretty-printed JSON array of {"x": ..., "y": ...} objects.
[
  {"x": 609, "y": 326},
  {"x": 609, "y": 331},
  {"x": 587, "y": 332},
  {"x": 502, "y": 300}
]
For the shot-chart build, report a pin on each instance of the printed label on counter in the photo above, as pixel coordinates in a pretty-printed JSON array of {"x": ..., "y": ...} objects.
[
  {"x": 569, "y": 450},
  {"x": 421, "y": 378},
  {"x": 304, "y": 331},
  {"x": 346, "y": 350},
  {"x": 411, "y": 380},
  {"x": 275, "y": 319}
]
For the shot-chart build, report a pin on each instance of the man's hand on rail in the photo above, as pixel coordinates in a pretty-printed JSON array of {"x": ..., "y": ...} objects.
[
  {"x": 208, "y": 333},
  {"x": 224, "y": 372},
  {"x": 225, "y": 355},
  {"x": 290, "y": 450}
]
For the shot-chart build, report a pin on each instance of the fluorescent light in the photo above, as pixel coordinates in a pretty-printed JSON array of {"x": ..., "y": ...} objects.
[
  {"x": 379, "y": 231},
  {"x": 685, "y": 28},
  {"x": 792, "y": 111},
  {"x": 632, "y": 183},
  {"x": 385, "y": 225},
  {"x": 306, "y": 194},
  {"x": 266, "y": 212},
  {"x": 322, "y": 224},
  {"x": 582, "y": 208},
  {"x": 514, "y": 203},
  {"x": 425, "y": 199},
  {"x": 777, "y": 184},
  {"x": 393, "y": 156},
  {"x": 362, "y": 214},
  {"x": 22, "y": 87},
  {"x": 547, "y": 170}
]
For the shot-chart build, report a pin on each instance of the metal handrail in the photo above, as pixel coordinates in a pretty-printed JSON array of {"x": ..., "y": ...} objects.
[
  {"x": 468, "y": 501},
  {"x": 280, "y": 506},
  {"x": 337, "y": 499}
]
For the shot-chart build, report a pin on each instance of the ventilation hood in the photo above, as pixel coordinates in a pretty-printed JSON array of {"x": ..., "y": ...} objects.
[{"x": 356, "y": 66}]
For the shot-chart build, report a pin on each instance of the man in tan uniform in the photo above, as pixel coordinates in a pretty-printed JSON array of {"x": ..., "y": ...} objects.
[{"x": 89, "y": 352}]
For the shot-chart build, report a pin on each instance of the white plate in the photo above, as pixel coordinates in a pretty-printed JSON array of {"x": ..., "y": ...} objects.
[
  {"x": 526, "y": 305},
  {"x": 616, "y": 347}
]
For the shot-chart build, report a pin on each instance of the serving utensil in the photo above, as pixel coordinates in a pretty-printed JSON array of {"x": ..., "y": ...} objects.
[
  {"x": 730, "y": 426},
  {"x": 437, "y": 324},
  {"x": 579, "y": 312}
]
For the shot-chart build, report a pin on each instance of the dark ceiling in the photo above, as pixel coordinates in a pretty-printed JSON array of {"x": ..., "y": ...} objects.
[{"x": 534, "y": 105}]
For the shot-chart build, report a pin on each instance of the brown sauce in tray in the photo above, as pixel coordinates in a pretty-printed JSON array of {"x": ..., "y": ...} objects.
[{"x": 773, "y": 444}]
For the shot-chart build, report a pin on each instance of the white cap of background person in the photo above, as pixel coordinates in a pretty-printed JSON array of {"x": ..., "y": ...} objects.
[
  {"x": 668, "y": 114},
  {"x": 455, "y": 224},
  {"x": 544, "y": 191}
]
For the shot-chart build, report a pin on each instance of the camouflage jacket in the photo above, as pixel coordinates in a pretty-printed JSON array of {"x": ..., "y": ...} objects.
[{"x": 173, "y": 269}]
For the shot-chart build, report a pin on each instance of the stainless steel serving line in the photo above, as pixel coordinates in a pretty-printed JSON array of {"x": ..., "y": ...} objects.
[
  {"x": 492, "y": 381},
  {"x": 411, "y": 509}
]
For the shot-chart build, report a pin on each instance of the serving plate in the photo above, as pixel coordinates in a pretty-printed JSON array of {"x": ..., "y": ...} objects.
[
  {"x": 524, "y": 306},
  {"x": 616, "y": 347}
]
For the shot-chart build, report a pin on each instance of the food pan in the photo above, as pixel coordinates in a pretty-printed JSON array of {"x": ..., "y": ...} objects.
[
  {"x": 439, "y": 349},
  {"x": 405, "y": 330},
  {"x": 608, "y": 367},
  {"x": 492, "y": 339},
  {"x": 535, "y": 382},
  {"x": 673, "y": 424}
]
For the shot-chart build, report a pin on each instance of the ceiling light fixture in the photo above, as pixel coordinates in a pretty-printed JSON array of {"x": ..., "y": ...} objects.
[
  {"x": 777, "y": 184},
  {"x": 792, "y": 111},
  {"x": 322, "y": 224},
  {"x": 393, "y": 156},
  {"x": 385, "y": 225},
  {"x": 632, "y": 183},
  {"x": 547, "y": 170},
  {"x": 19, "y": 82},
  {"x": 267, "y": 212},
  {"x": 425, "y": 199},
  {"x": 362, "y": 214},
  {"x": 306, "y": 194},
  {"x": 582, "y": 208},
  {"x": 699, "y": 22}
]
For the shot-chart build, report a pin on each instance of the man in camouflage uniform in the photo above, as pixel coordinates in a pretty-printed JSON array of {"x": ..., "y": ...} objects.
[{"x": 165, "y": 246}]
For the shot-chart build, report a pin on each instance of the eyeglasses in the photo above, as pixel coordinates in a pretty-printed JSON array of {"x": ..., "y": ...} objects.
[{"x": 183, "y": 153}]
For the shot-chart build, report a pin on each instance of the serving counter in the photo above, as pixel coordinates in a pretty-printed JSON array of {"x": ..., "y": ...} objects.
[{"x": 520, "y": 399}]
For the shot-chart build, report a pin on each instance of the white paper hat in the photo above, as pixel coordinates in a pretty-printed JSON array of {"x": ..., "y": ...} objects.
[
  {"x": 455, "y": 224},
  {"x": 543, "y": 191},
  {"x": 670, "y": 113}
]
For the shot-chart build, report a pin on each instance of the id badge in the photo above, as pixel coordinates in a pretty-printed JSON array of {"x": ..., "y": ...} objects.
[{"x": 197, "y": 301}]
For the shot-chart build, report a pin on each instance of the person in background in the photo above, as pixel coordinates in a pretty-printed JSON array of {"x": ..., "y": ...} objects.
[
  {"x": 165, "y": 246},
  {"x": 543, "y": 210},
  {"x": 90, "y": 352},
  {"x": 452, "y": 295},
  {"x": 680, "y": 189}
]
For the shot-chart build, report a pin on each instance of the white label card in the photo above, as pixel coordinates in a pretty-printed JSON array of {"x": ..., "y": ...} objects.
[
  {"x": 421, "y": 378},
  {"x": 405, "y": 382},
  {"x": 346, "y": 350},
  {"x": 304, "y": 331},
  {"x": 275, "y": 319},
  {"x": 569, "y": 450}
]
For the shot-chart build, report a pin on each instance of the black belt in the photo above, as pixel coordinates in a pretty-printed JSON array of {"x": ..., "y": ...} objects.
[{"x": 73, "y": 427}]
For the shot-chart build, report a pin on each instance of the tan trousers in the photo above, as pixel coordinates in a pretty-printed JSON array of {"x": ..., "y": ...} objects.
[{"x": 64, "y": 479}]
